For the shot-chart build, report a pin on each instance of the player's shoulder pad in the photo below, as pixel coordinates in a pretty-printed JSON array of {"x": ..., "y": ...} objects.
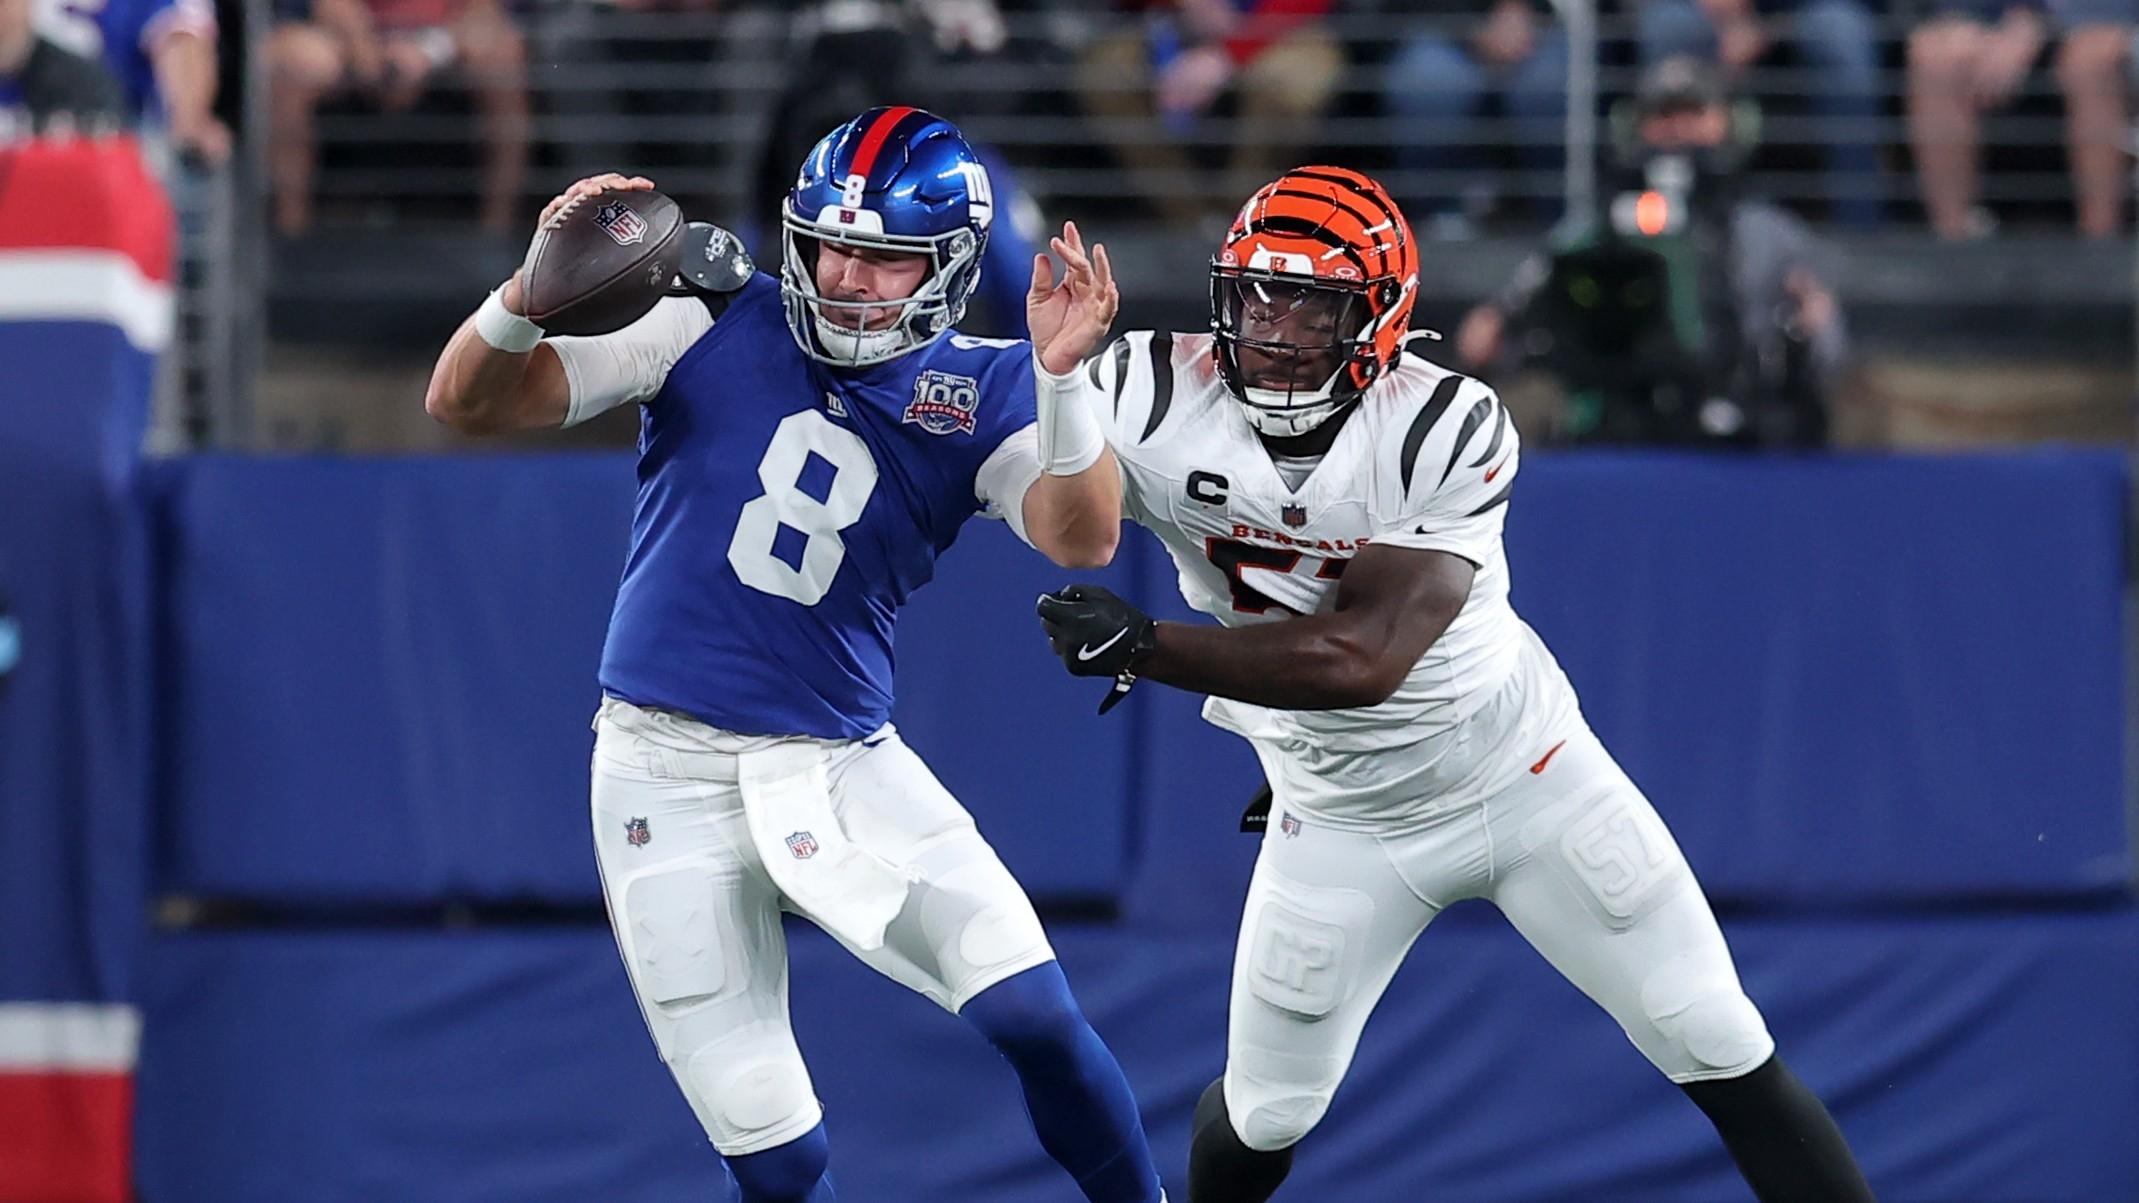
[
  {"x": 1460, "y": 422},
  {"x": 715, "y": 266},
  {"x": 1136, "y": 376}
]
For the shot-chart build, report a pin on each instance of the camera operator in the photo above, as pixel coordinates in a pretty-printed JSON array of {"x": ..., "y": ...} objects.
[{"x": 1683, "y": 311}]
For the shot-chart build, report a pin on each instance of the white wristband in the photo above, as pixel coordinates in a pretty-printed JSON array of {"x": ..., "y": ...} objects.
[
  {"x": 1070, "y": 438},
  {"x": 504, "y": 329}
]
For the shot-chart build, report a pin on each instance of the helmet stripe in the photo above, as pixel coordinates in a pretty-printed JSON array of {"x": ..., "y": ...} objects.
[
  {"x": 1351, "y": 182},
  {"x": 865, "y": 155},
  {"x": 1367, "y": 226},
  {"x": 1370, "y": 195}
]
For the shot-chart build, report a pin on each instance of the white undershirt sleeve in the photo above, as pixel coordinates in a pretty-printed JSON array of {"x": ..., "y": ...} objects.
[
  {"x": 629, "y": 366},
  {"x": 1006, "y": 476}
]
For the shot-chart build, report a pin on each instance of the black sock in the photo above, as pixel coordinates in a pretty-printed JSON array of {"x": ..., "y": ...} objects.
[
  {"x": 1220, "y": 1168},
  {"x": 1779, "y": 1133}
]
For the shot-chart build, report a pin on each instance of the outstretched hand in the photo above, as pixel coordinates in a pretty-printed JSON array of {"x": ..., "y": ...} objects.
[{"x": 1069, "y": 320}]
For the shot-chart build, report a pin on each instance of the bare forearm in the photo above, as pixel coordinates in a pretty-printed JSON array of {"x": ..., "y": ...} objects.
[
  {"x": 476, "y": 388},
  {"x": 1076, "y": 520},
  {"x": 1324, "y": 662},
  {"x": 185, "y": 75},
  {"x": 473, "y": 381}
]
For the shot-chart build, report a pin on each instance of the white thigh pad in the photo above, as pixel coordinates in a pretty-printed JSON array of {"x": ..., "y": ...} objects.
[
  {"x": 1300, "y": 957},
  {"x": 1617, "y": 853},
  {"x": 673, "y": 930},
  {"x": 1704, "y": 1018}
]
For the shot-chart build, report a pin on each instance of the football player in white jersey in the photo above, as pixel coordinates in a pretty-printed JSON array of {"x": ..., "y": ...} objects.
[{"x": 1336, "y": 504}]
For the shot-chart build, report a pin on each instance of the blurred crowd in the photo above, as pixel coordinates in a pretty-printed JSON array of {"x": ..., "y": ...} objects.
[
  {"x": 1187, "y": 101},
  {"x": 1882, "y": 114}
]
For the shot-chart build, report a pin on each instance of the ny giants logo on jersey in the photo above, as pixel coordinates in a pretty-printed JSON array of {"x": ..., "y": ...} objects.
[
  {"x": 802, "y": 844},
  {"x": 943, "y": 403},
  {"x": 621, "y": 224}
]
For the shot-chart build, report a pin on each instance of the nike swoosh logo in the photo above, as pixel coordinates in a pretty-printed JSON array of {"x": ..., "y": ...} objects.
[
  {"x": 1546, "y": 759},
  {"x": 1087, "y": 652},
  {"x": 1495, "y": 469}
]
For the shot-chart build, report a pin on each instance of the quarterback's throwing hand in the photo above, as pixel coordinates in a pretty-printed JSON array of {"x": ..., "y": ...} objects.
[
  {"x": 1069, "y": 320},
  {"x": 1096, "y": 633}
]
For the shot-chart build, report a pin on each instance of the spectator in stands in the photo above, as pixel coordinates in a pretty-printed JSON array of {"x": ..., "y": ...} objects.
[
  {"x": 1972, "y": 56},
  {"x": 1836, "y": 47},
  {"x": 1438, "y": 87},
  {"x": 42, "y": 84},
  {"x": 1676, "y": 237},
  {"x": 164, "y": 55},
  {"x": 391, "y": 51},
  {"x": 1149, "y": 82}
]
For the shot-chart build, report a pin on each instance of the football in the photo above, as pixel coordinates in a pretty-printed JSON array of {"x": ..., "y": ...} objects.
[{"x": 600, "y": 264}]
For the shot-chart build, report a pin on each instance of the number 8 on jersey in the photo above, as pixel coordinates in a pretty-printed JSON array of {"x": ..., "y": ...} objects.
[{"x": 784, "y": 503}]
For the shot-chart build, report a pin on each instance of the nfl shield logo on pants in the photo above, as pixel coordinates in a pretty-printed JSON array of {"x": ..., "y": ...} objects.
[
  {"x": 802, "y": 844},
  {"x": 636, "y": 833},
  {"x": 1289, "y": 824}
]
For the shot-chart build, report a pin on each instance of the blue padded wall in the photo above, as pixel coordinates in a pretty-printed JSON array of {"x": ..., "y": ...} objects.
[
  {"x": 380, "y": 675},
  {"x": 1843, "y": 681},
  {"x": 1971, "y": 1060}
]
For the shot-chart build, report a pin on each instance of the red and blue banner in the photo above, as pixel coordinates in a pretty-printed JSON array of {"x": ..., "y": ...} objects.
[{"x": 85, "y": 307}]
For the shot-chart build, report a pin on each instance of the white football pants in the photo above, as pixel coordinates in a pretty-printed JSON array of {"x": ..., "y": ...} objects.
[
  {"x": 1571, "y": 853},
  {"x": 697, "y": 917}
]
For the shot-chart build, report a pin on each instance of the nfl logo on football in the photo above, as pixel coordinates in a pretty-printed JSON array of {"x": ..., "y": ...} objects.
[
  {"x": 802, "y": 844},
  {"x": 621, "y": 224},
  {"x": 943, "y": 403}
]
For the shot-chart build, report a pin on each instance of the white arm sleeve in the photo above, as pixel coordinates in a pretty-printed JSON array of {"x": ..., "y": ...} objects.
[
  {"x": 608, "y": 370},
  {"x": 1006, "y": 476}
]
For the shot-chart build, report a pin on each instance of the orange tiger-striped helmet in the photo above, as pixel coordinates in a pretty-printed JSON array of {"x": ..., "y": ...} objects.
[{"x": 1311, "y": 296}]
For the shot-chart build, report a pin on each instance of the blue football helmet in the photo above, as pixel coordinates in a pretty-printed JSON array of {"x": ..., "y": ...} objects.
[{"x": 893, "y": 179}]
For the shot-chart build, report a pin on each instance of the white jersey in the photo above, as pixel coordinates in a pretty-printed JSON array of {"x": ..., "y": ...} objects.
[{"x": 1428, "y": 462}]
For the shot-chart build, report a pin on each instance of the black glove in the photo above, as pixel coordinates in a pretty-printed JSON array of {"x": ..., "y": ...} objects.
[{"x": 1096, "y": 633}]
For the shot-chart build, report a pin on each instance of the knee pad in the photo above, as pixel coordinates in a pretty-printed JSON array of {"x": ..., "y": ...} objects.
[
  {"x": 1221, "y": 1165},
  {"x": 975, "y": 912},
  {"x": 1708, "y": 1025},
  {"x": 1268, "y": 1115},
  {"x": 749, "y": 1089}
]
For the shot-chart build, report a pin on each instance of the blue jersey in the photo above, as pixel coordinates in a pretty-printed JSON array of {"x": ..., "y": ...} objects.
[
  {"x": 786, "y": 510},
  {"x": 123, "y": 32}
]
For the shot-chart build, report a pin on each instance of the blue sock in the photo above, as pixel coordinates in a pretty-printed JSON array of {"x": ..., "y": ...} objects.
[
  {"x": 789, "y": 1173},
  {"x": 1079, "y": 1102}
]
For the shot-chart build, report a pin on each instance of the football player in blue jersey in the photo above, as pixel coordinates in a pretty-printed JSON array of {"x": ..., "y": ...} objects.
[{"x": 808, "y": 445}]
